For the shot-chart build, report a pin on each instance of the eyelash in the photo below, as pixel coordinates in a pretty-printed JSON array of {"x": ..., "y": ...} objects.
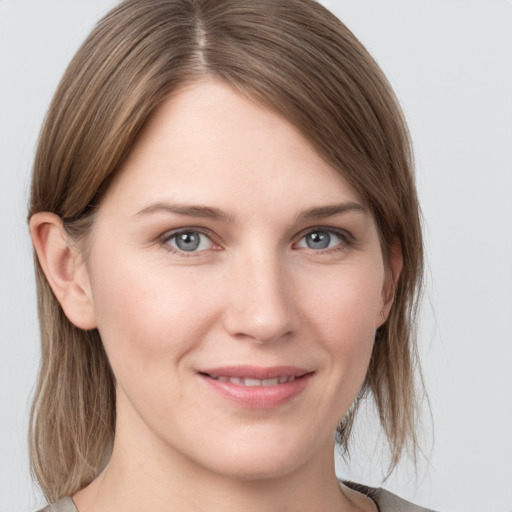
[
  {"x": 346, "y": 238},
  {"x": 167, "y": 237}
]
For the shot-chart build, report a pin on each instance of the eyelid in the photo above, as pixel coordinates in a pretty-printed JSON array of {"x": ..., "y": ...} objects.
[
  {"x": 188, "y": 229},
  {"x": 345, "y": 236},
  {"x": 168, "y": 235}
]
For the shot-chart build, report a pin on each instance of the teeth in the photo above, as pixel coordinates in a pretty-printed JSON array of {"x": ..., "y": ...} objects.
[
  {"x": 252, "y": 382},
  {"x": 255, "y": 382}
]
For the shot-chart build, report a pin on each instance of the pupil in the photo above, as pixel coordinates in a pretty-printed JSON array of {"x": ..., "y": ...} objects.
[
  {"x": 318, "y": 240},
  {"x": 187, "y": 241}
]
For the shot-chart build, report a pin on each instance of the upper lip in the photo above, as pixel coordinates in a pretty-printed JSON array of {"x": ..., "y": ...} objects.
[{"x": 255, "y": 372}]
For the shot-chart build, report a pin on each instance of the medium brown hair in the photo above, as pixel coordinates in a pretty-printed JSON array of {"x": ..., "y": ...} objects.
[{"x": 292, "y": 56}]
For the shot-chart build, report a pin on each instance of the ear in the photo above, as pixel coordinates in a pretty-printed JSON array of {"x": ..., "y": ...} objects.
[
  {"x": 392, "y": 274},
  {"x": 64, "y": 269}
]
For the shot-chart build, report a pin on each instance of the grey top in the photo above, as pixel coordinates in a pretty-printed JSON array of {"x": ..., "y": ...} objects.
[{"x": 386, "y": 501}]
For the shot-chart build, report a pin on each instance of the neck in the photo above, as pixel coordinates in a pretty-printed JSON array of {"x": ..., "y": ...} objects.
[
  {"x": 133, "y": 483},
  {"x": 146, "y": 473}
]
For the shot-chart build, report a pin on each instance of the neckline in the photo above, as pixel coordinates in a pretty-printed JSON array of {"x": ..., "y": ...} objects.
[{"x": 369, "y": 492}]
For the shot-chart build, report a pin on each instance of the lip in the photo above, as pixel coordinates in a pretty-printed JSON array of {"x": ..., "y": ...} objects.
[{"x": 257, "y": 396}]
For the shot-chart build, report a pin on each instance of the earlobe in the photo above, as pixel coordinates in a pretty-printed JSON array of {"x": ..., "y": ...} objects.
[
  {"x": 392, "y": 275},
  {"x": 63, "y": 268}
]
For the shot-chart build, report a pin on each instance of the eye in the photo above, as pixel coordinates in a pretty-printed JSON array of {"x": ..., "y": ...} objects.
[
  {"x": 321, "y": 239},
  {"x": 189, "y": 241}
]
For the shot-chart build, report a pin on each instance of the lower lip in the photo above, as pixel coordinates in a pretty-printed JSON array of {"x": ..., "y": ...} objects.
[{"x": 259, "y": 397}]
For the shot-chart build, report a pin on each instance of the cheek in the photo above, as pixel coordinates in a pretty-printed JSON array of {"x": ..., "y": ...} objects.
[
  {"x": 148, "y": 312},
  {"x": 342, "y": 313},
  {"x": 345, "y": 301}
]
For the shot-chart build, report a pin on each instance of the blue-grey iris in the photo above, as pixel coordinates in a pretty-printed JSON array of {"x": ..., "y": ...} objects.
[
  {"x": 188, "y": 241},
  {"x": 318, "y": 240}
]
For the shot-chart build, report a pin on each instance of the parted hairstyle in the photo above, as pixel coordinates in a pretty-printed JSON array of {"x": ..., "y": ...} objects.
[{"x": 291, "y": 56}]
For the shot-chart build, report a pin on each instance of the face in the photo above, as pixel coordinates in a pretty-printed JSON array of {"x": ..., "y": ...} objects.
[{"x": 237, "y": 282}]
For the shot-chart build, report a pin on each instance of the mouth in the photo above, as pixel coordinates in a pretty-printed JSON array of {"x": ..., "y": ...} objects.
[
  {"x": 257, "y": 387},
  {"x": 247, "y": 381}
]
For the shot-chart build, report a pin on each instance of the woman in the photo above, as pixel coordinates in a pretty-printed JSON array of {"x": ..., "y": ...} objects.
[{"x": 228, "y": 256}]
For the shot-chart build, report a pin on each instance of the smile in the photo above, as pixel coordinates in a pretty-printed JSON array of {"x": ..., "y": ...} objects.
[
  {"x": 255, "y": 387},
  {"x": 247, "y": 381}
]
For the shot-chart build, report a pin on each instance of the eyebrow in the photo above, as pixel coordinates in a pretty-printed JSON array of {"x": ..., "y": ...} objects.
[
  {"x": 205, "y": 212},
  {"x": 323, "y": 212},
  {"x": 209, "y": 212}
]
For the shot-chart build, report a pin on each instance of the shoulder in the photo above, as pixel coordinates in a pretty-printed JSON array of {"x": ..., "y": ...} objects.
[
  {"x": 63, "y": 505},
  {"x": 389, "y": 502},
  {"x": 386, "y": 501}
]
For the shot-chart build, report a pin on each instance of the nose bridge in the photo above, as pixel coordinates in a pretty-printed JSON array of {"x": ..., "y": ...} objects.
[{"x": 261, "y": 303}]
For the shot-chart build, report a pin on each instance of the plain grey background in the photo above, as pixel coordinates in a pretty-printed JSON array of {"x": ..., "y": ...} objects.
[{"x": 450, "y": 64}]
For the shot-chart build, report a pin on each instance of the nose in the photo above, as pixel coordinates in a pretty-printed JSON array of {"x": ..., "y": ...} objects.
[{"x": 260, "y": 305}]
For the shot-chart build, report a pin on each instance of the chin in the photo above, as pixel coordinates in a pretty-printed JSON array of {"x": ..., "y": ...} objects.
[
  {"x": 257, "y": 468},
  {"x": 265, "y": 456}
]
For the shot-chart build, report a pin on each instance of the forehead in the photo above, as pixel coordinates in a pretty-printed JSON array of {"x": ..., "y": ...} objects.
[{"x": 208, "y": 143}]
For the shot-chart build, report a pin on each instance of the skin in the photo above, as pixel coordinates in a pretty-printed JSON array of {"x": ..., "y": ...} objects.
[{"x": 254, "y": 292}]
